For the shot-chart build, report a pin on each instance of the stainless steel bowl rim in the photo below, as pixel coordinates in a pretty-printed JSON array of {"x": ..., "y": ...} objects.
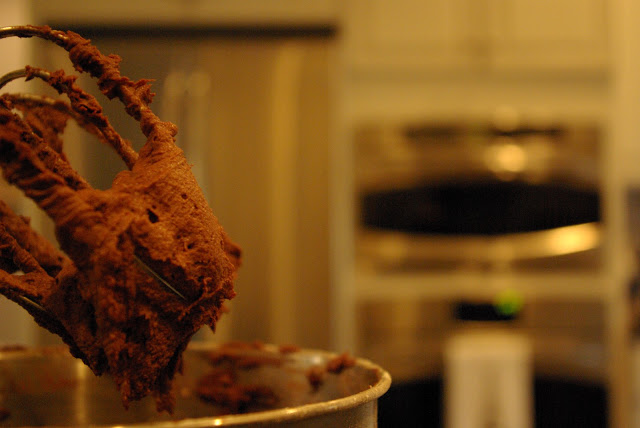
[
  {"x": 298, "y": 412},
  {"x": 269, "y": 416}
]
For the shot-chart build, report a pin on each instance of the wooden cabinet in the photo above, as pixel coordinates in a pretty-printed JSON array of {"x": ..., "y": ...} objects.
[{"x": 479, "y": 34}]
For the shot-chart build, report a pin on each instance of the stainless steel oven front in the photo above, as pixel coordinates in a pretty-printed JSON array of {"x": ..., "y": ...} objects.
[
  {"x": 443, "y": 196},
  {"x": 452, "y": 216}
]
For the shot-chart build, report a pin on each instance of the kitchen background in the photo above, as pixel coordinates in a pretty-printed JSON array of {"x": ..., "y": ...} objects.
[{"x": 401, "y": 175}]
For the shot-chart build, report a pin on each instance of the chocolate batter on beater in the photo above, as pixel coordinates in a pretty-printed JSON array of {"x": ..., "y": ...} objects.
[{"x": 143, "y": 265}]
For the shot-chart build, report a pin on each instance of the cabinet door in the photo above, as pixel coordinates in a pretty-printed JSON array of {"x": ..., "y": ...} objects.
[
  {"x": 548, "y": 34},
  {"x": 408, "y": 34},
  {"x": 524, "y": 35}
]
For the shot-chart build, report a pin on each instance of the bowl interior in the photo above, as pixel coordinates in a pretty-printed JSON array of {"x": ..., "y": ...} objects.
[{"x": 49, "y": 387}]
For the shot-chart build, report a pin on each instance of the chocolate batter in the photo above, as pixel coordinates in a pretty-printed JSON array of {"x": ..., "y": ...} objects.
[{"x": 93, "y": 293}]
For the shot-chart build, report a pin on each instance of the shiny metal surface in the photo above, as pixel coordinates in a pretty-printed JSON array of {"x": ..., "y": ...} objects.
[
  {"x": 47, "y": 387},
  {"x": 391, "y": 248},
  {"x": 432, "y": 193}
]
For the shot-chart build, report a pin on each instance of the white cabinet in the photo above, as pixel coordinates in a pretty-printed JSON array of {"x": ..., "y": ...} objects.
[
  {"x": 548, "y": 34},
  {"x": 407, "y": 33},
  {"x": 481, "y": 34}
]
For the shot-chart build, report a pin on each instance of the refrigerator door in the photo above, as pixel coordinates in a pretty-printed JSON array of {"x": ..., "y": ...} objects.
[{"x": 254, "y": 119}]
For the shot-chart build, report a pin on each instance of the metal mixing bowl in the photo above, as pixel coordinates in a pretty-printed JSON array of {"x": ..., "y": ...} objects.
[{"x": 48, "y": 387}]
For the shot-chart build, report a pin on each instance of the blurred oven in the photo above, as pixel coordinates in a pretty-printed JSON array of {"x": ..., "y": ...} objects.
[
  {"x": 449, "y": 214},
  {"x": 443, "y": 196}
]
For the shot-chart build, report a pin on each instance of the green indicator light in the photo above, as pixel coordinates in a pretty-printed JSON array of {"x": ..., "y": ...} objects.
[{"x": 508, "y": 302}]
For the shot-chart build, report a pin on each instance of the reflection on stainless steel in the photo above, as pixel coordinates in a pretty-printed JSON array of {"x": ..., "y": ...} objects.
[
  {"x": 389, "y": 248},
  {"x": 48, "y": 387},
  {"x": 33, "y": 304},
  {"x": 402, "y": 155},
  {"x": 505, "y": 158},
  {"x": 157, "y": 277},
  {"x": 478, "y": 193}
]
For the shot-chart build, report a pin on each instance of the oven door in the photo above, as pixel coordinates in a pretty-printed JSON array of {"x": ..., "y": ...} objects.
[
  {"x": 480, "y": 222},
  {"x": 444, "y": 196}
]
